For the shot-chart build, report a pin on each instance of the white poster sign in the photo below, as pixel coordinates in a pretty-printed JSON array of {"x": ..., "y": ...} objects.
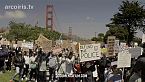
[
  {"x": 135, "y": 52},
  {"x": 89, "y": 52},
  {"x": 124, "y": 60},
  {"x": 143, "y": 38},
  {"x": 28, "y": 45}
]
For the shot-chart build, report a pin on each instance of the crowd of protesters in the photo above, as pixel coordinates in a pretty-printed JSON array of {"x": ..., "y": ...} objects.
[{"x": 32, "y": 65}]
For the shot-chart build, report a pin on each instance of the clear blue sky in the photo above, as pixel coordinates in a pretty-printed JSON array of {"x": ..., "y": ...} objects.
[{"x": 84, "y": 16}]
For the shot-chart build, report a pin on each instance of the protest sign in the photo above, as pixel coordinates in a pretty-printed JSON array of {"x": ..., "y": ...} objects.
[
  {"x": 111, "y": 43},
  {"x": 6, "y": 43},
  {"x": 44, "y": 43},
  {"x": 143, "y": 38},
  {"x": 135, "y": 52},
  {"x": 124, "y": 60},
  {"x": 56, "y": 51},
  {"x": 123, "y": 46},
  {"x": 89, "y": 52},
  {"x": 116, "y": 47},
  {"x": 27, "y": 45}
]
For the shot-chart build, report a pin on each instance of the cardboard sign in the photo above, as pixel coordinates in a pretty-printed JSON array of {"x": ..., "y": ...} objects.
[
  {"x": 44, "y": 43},
  {"x": 124, "y": 60},
  {"x": 111, "y": 43},
  {"x": 55, "y": 51},
  {"x": 116, "y": 47},
  {"x": 89, "y": 52}
]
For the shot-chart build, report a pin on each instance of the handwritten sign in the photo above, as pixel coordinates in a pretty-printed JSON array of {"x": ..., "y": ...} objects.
[
  {"x": 116, "y": 47},
  {"x": 43, "y": 42},
  {"x": 89, "y": 52},
  {"x": 124, "y": 60},
  {"x": 111, "y": 43},
  {"x": 28, "y": 45},
  {"x": 55, "y": 51},
  {"x": 135, "y": 52}
]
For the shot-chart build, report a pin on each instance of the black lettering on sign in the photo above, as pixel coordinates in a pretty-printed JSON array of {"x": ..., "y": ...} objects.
[
  {"x": 82, "y": 47},
  {"x": 89, "y": 46},
  {"x": 88, "y": 55},
  {"x": 95, "y": 48}
]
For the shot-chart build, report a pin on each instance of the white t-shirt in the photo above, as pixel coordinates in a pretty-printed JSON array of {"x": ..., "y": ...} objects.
[
  {"x": 62, "y": 68},
  {"x": 69, "y": 65},
  {"x": 26, "y": 59},
  {"x": 32, "y": 59}
]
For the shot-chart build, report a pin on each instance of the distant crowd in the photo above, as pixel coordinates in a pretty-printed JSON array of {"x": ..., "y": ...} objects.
[{"x": 34, "y": 64}]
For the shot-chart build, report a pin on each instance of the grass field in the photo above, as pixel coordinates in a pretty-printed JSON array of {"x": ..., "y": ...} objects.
[{"x": 7, "y": 76}]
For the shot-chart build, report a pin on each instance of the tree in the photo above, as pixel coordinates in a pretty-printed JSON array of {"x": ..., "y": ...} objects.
[
  {"x": 120, "y": 33},
  {"x": 101, "y": 35},
  {"x": 94, "y": 39},
  {"x": 99, "y": 38},
  {"x": 22, "y": 31},
  {"x": 131, "y": 16}
]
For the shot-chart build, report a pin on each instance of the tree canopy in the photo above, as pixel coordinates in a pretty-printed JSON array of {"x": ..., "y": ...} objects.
[
  {"x": 131, "y": 17},
  {"x": 99, "y": 38},
  {"x": 22, "y": 31}
]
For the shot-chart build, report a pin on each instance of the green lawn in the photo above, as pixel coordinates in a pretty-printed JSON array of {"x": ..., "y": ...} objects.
[{"x": 6, "y": 77}]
